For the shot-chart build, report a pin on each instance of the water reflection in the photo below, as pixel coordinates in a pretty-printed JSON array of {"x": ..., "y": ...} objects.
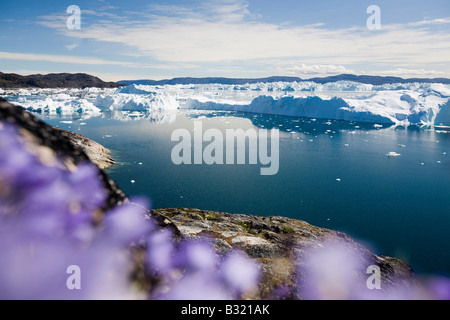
[
  {"x": 157, "y": 117},
  {"x": 292, "y": 124},
  {"x": 286, "y": 124}
]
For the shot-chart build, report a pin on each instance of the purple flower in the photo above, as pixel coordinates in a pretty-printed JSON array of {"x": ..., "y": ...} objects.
[
  {"x": 127, "y": 223},
  {"x": 239, "y": 273},
  {"x": 160, "y": 252},
  {"x": 14, "y": 160},
  {"x": 329, "y": 273},
  {"x": 85, "y": 181},
  {"x": 197, "y": 286},
  {"x": 197, "y": 256},
  {"x": 439, "y": 288}
]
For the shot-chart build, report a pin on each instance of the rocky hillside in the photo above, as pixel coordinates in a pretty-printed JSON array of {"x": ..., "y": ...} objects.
[
  {"x": 375, "y": 80},
  {"x": 57, "y": 80}
]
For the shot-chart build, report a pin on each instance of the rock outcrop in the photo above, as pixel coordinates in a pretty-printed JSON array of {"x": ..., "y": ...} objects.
[
  {"x": 279, "y": 244},
  {"x": 71, "y": 148},
  {"x": 97, "y": 153}
]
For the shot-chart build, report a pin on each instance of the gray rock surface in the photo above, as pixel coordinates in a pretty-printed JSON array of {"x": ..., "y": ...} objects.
[
  {"x": 97, "y": 153},
  {"x": 279, "y": 244}
]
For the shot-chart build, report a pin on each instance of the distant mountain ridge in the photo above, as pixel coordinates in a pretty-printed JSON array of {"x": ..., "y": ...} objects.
[
  {"x": 374, "y": 80},
  {"x": 53, "y": 80},
  {"x": 82, "y": 80}
]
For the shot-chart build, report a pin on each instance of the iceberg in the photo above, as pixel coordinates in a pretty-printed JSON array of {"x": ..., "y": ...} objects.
[
  {"x": 393, "y": 154},
  {"x": 443, "y": 117},
  {"x": 399, "y": 104},
  {"x": 424, "y": 106},
  {"x": 58, "y": 105},
  {"x": 136, "y": 102}
]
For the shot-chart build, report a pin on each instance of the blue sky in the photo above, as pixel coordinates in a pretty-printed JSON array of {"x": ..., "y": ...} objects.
[{"x": 233, "y": 38}]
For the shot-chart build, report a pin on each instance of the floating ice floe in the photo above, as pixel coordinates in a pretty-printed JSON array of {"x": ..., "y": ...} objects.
[{"x": 393, "y": 154}]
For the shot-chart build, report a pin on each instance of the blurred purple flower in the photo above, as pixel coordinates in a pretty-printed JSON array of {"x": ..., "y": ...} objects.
[
  {"x": 239, "y": 273},
  {"x": 127, "y": 223},
  {"x": 197, "y": 256},
  {"x": 439, "y": 288},
  {"x": 160, "y": 252},
  {"x": 197, "y": 286},
  {"x": 330, "y": 273}
]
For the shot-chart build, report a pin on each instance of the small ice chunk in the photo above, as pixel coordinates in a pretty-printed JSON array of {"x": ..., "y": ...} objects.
[
  {"x": 377, "y": 125},
  {"x": 66, "y": 122},
  {"x": 132, "y": 181},
  {"x": 338, "y": 180},
  {"x": 393, "y": 154},
  {"x": 402, "y": 146}
]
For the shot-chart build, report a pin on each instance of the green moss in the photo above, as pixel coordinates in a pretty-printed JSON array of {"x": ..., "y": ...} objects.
[
  {"x": 201, "y": 214},
  {"x": 288, "y": 229},
  {"x": 169, "y": 213},
  {"x": 247, "y": 227}
]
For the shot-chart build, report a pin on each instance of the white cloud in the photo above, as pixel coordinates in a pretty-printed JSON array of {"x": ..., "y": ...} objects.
[
  {"x": 408, "y": 73},
  {"x": 72, "y": 46},
  {"x": 328, "y": 69},
  {"x": 433, "y": 21},
  {"x": 61, "y": 59},
  {"x": 217, "y": 32},
  {"x": 225, "y": 35}
]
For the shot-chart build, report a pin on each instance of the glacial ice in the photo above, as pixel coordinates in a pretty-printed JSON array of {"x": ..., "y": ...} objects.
[
  {"x": 400, "y": 104},
  {"x": 393, "y": 154}
]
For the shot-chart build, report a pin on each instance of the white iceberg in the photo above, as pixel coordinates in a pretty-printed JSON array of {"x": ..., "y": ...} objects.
[
  {"x": 401, "y": 107},
  {"x": 137, "y": 102},
  {"x": 393, "y": 154},
  {"x": 399, "y": 104}
]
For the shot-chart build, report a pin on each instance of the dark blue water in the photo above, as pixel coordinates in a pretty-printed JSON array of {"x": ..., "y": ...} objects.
[{"x": 398, "y": 206}]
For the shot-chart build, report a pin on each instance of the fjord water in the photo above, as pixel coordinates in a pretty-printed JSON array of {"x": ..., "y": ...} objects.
[{"x": 332, "y": 174}]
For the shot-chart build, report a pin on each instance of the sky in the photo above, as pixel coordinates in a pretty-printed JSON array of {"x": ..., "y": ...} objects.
[{"x": 130, "y": 40}]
